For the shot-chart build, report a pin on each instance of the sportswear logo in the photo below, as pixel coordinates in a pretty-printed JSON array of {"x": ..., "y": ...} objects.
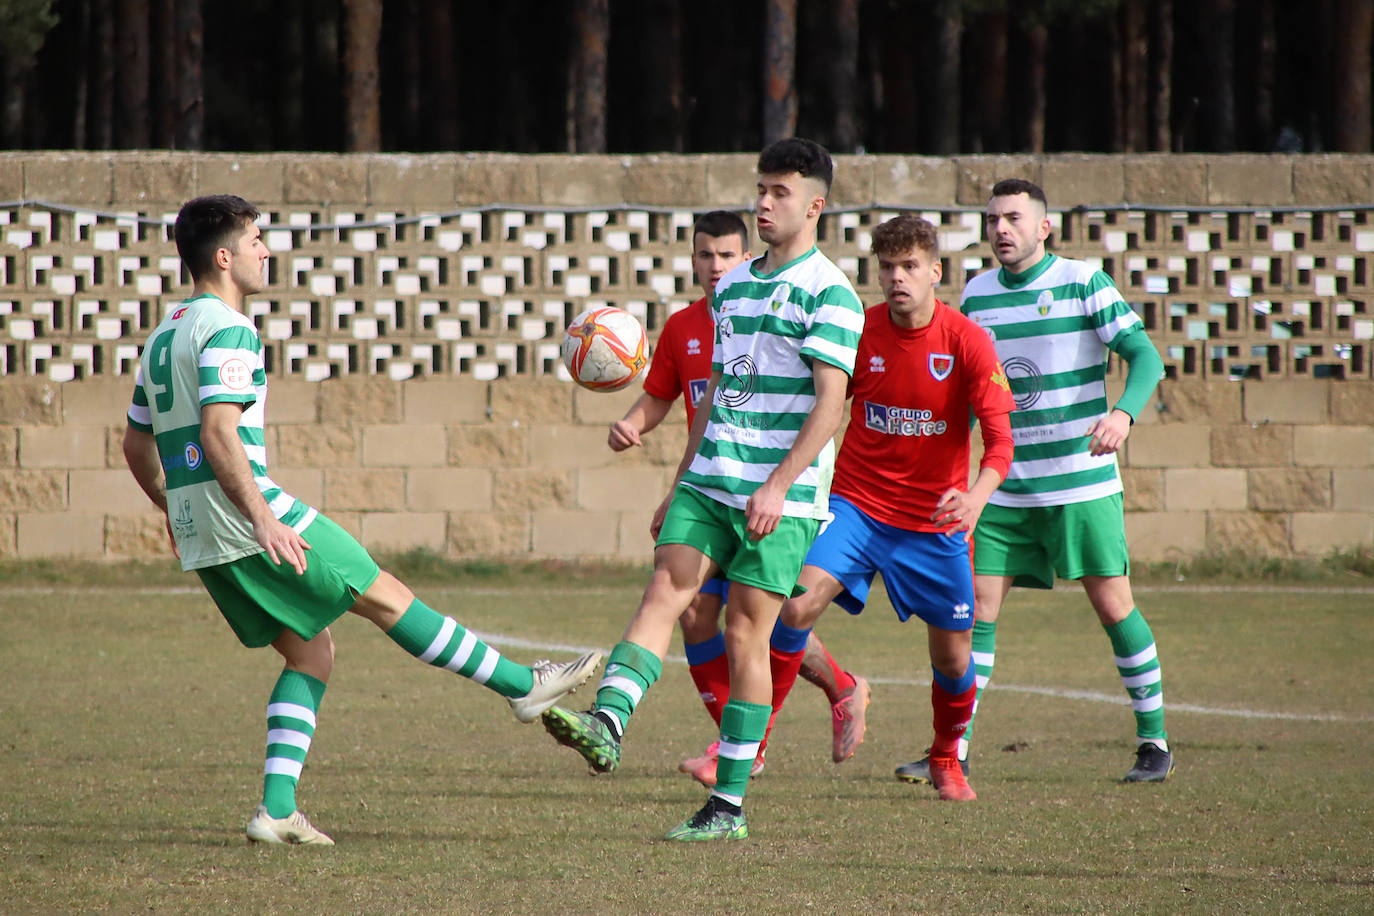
[
  {"x": 611, "y": 669},
  {"x": 1141, "y": 692},
  {"x": 1044, "y": 302},
  {"x": 961, "y": 611},
  {"x": 876, "y": 364},
  {"x": 941, "y": 365},
  {"x": 235, "y": 375},
  {"x": 178, "y": 313},
  {"x": 693, "y": 346}
]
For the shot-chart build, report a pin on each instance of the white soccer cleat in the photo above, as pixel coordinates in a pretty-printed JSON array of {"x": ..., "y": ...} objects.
[
  {"x": 552, "y": 682},
  {"x": 293, "y": 830}
]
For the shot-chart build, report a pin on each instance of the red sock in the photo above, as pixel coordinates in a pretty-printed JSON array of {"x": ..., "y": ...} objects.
[
  {"x": 952, "y": 714},
  {"x": 784, "y": 666},
  {"x": 823, "y": 671},
  {"x": 713, "y": 684}
]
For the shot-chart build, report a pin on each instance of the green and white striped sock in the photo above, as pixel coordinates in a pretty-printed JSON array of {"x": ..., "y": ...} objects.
[
  {"x": 444, "y": 643},
  {"x": 291, "y": 714},
  {"x": 1133, "y": 646},
  {"x": 984, "y": 654},
  {"x": 742, "y": 726},
  {"x": 631, "y": 670}
]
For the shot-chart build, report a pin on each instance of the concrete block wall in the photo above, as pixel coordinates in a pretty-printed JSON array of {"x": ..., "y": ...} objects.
[{"x": 520, "y": 468}]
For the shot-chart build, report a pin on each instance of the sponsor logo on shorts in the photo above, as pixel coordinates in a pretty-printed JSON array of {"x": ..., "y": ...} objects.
[{"x": 902, "y": 421}]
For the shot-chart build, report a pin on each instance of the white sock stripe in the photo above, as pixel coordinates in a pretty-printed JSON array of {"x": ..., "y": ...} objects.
[
  {"x": 1153, "y": 676},
  {"x": 291, "y": 711},
  {"x": 463, "y": 654},
  {"x": 1147, "y": 654},
  {"x": 963, "y": 749},
  {"x": 736, "y": 800},
  {"x": 283, "y": 766},
  {"x": 746, "y": 751},
  {"x": 487, "y": 667},
  {"x": 626, "y": 686},
  {"x": 1149, "y": 704},
  {"x": 440, "y": 641},
  {"x": 288, "y": 736},
  {"x": 981, "y": 680},
  {"x": 984, "y": 659}
]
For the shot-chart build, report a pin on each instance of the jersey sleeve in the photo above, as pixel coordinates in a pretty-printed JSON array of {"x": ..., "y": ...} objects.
[
  {"x": 140, "y": 416},
  {"x": 836, "y": 324},
  {"x": 1110, "y": 315},
  {"x": 231, "y": 366},
  {"x": 997, "y": 443},
  {"x": 663, "y": 380}
]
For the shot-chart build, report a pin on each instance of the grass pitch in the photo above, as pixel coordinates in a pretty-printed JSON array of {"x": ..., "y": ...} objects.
[{"x": 132, "y": 731}]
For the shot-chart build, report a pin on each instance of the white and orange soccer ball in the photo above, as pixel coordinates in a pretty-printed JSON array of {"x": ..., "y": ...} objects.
[{"x": 604, "y": 348}]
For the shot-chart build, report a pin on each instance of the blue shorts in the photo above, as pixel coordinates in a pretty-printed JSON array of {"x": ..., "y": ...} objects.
[
  {"x": 716, "y": 586},
  {"x": 927, "y": 573}
]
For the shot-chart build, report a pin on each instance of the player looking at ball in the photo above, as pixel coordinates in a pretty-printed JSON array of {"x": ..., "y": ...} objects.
[
  {"x": 749, "y": 493},
  {"x": 1054, "y": 322},
  {"x": 900, "y": 501},
  {"x": 279, "y": 571},
  {"x": 682, "y": 366}
]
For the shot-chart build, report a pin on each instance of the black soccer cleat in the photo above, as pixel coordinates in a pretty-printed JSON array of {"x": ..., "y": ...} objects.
[{"x": 1152, "y": 764}]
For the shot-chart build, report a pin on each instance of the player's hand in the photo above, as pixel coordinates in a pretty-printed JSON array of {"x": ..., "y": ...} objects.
[
  {"x": 281, "y": 543},
  {"x": 171, "y": 538},
  {"x": 656, "y": 523},
  {"x": 622, "y": 436},
  {"x": 1109, "y": 433},
  {"x": 959, "y": 509},
  {"x": 763, "y": 511}
]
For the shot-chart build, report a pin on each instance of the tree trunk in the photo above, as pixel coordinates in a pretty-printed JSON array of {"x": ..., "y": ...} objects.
[
  {"x": 1037, "y": 46},
  {"x": 103, "y": 75},
  {"x": 990, "y": 121},
  {"x": 1355, "y": 28},
  {"x": 1161, "y": 82},
  {"x": 780, "y": 68},
  {"x": 164, "y": 92},
  {"x": 659, "y": 123},
  {"x": 1219, "y": 97},
  {"x": 1262, "y": 134},
  {"x": 190, "y": 78},
  {"x": 944, "y": 95},
  {"x": 442, "y": 90},
  {"x": 132, "y": 110},
  {"x": 362, "y": 80},
  {"x": 1135, "y": 58},
  {"x": 844, "y": 78},
  {"x": 592, "y": 25}
]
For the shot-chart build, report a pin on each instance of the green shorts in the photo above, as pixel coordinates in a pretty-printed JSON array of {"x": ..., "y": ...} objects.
[
  {"x": 720, "y": 531},
  {"x": 259, "y": 599},
  {"x": 1034, "y": 543}
]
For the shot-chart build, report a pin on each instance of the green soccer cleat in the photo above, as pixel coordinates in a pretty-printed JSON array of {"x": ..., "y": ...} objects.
[
  {"x": 1152, "y": 764},
  {"x": 712, "y": 822},
  {"x": 552, "y": 682},
  {"x": 586, "y": 734}
]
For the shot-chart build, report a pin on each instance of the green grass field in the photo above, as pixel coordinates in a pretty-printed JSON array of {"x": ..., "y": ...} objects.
[{"x": 131, "y": 737}]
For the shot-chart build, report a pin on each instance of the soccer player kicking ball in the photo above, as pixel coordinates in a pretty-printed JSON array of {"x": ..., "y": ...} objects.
[
  {"x": 747, "y": 500},
  {"x": 279, "y": 571},
  {"x": 682, "y": 366},
  {"x": 901, "y": 501},
  {"x": 1059, "y": 512}
]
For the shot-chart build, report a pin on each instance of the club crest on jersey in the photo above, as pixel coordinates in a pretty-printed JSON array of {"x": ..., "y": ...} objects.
[
  {"x": 1044, "y": 302},
  {"x": 941, "y": 365},
  {"x": 779, "y": 297}
]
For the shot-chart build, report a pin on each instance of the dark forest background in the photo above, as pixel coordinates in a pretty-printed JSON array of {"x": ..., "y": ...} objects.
[{"x": 630, "y": 76}]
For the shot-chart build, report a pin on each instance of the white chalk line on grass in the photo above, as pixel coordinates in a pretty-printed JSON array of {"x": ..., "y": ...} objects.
[
  {"x": 516, "y": 642},
  {"x": 513, "y": 642}
]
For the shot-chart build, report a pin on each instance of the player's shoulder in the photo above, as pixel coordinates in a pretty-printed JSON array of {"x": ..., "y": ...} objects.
[{"x": 983, "y": 284}]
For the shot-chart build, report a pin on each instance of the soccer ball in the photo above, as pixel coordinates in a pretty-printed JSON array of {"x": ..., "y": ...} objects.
[{"x": 604, "y": 348}]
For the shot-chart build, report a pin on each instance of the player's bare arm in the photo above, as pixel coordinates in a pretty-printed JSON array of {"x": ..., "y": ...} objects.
[
  {"x": 140, "y": 453},
  {"x": 646, "y": 413},
  {"x": 764, "y": 508},
  {"x": 219, "y": 424}
]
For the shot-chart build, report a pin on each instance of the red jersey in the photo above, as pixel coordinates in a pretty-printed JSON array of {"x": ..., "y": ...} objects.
[
  {"x": 908, "y": 436},
  {"x": 682, "y": 358}
]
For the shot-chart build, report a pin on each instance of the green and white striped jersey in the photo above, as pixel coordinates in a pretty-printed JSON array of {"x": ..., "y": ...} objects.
[
  {"x": 1053, "y": 326},
  {"x": 204, "y": 352},
  {"x": 769, "y": 330}
]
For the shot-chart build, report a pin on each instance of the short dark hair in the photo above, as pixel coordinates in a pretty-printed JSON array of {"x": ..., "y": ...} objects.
[
  {"x": 719, "y": 224},
  {"x": 903, "y": 233},
  {"x": 1009, "y": 186},
  {"x": 805, "y": 157},
  {"x": 207, "y": 224}
]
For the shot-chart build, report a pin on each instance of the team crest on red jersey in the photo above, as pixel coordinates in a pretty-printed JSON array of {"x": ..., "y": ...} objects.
[{"x": 941, "y": 365}]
